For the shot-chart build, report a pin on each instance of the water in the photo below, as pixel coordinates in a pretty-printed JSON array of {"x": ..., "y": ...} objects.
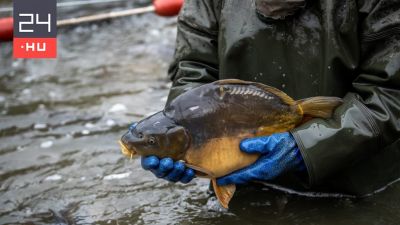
[{"x": 59, "y": 125}]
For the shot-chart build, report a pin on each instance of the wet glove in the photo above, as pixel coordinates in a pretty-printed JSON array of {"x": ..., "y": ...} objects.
[
  {"x": 166, "y": 168},
  {"x": 279, "y": 154}
]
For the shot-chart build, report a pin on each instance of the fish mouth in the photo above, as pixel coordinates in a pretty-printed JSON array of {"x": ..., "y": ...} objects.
[{"x": 126, "y": 151}]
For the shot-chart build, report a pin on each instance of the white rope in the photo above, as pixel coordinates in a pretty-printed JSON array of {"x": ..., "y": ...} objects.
[
  {"x": 86, "y": 2},
  {"x": 6, "y": 9},
  {"x": 103, "y": 16}
]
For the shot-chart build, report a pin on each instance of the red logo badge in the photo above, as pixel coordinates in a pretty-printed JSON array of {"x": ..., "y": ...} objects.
[{"x": 35, "y": 29}]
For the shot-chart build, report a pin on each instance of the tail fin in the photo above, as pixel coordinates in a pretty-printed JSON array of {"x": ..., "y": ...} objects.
[{"x": 322, "y": 107}]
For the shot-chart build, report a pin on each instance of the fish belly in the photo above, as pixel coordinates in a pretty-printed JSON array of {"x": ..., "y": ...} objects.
[{"x": 221, "y": 156}]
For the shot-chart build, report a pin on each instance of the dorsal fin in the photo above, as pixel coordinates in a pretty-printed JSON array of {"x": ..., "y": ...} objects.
[
  {"x": 232, "y": 81},
  {"x": 282, "y": 95}
]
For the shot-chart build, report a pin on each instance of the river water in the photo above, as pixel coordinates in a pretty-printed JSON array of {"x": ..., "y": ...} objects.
[{"x": 59, "y": 125}]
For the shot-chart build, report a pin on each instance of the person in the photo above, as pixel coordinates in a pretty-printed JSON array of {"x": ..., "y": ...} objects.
[{"x": 348, "y": 49}]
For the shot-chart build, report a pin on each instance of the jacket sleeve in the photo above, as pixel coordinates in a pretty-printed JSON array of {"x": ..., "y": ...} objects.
[
  {"x": 368, "y": 122},
  {"x": 196, "y": 54}
]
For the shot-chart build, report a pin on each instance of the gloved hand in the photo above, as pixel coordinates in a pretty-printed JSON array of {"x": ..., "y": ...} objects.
[
  {"x": 166, "y": 168},
  {"x": 279, "y": 154}
]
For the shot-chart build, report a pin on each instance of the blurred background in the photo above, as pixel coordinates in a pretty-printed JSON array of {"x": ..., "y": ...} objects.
[{"x": 60, "y": 120}]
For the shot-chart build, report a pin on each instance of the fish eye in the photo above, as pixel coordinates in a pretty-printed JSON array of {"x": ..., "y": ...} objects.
[
  {"x": 151, "y": 140},
  {"x": 140, "y": 135}
]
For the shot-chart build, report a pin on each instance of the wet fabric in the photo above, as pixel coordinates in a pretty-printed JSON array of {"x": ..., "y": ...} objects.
[
  {"x": 278, "y": 9},
  {"x": 348, "y": 49}
]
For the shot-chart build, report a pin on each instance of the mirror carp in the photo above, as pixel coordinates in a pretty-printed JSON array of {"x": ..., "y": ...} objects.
[{"x": 204, "y": 126}]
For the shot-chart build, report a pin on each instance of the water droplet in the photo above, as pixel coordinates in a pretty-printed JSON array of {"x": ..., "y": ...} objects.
[
  {"x": 26, "y": 91},
  {"x": 41, "y": 107},
  {"x": 280, "y": 67},
  {"x": 284, "y": 75},
  {"x": 117, "y": 176},
  {"x": 15, "y": 64},
  {"x": 28, "y": 79},
  {"x": 85, "y": 132},
  {"x": 40, "y": 126},
  {"x": 54, "y": 177},
  {"x": 89, "y": 125},
  {"x": 46, "y": 144},
  {"x": 110, "y": 123},
  {"x": 28, "y": 211},
  {"x": 329, "y": 67},
  {"x": 118, "y": 108},
  {"x": 52, "y": 94},
  {"x": 194, "y": 108},
  {"x": 155, "y": 32},
  {"x": 283, "y": 85},
  {"x": 164, "y": 99}
]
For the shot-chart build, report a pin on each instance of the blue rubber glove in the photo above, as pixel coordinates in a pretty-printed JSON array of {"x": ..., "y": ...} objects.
[
  {"x": 166, "y": 168},
  {"x": 279, "y": 154}
]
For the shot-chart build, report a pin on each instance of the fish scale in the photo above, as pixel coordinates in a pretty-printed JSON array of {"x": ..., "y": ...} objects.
[{"x": 239, "y": 90}]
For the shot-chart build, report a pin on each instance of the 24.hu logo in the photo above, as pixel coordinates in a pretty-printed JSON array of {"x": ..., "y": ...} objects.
[{"x": 35, "y": 29}]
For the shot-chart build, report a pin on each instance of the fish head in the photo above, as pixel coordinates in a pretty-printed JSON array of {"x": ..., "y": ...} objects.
[{"x": 156, "y": 135}]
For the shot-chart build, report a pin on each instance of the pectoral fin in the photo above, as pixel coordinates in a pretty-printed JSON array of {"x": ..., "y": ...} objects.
[
  {"x": 223, "y": 193},
  {"x": 201, "y": 172}
]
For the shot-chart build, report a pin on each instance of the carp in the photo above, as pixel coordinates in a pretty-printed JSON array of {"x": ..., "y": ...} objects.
[{"x": 203, "y": 127}]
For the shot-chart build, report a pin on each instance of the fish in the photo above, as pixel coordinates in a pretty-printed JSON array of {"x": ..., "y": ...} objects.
[{"x": 204, "y": 126}]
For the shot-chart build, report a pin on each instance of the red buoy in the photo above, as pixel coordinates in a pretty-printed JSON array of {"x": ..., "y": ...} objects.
[
  {"x": 6, "y": 29},
  {"x": 168, "y": 7}
]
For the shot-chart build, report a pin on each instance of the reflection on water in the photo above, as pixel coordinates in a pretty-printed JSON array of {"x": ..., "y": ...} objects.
[{"x": 60, "y": 162}]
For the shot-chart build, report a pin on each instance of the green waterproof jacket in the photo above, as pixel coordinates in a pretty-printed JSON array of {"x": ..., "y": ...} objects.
[{"x": 349, "y": 49}]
